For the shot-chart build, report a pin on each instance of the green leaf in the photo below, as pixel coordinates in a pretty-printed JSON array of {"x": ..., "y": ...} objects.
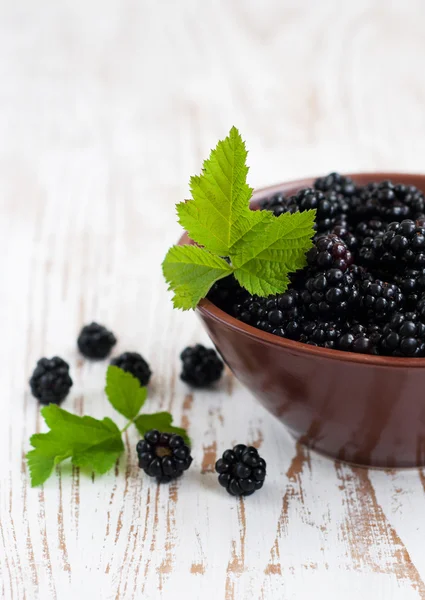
[
  {"x": 89, "y": 442},
  {"x": 263, "y": 278},
  {"x": 161, "y": 421},
  {"x": 262, "y": 249},
  {"x": 124, "y": 392},
  {"x": 216, "y": 217},
  {"x": 285, "y": 239},
  {"x": 190, "y": 272}
]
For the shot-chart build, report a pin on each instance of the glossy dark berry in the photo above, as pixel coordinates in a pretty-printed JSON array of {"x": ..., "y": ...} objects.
[
  {"x": 328, "y": 252},
  {"x": 331, "y": 292},
  {"x": 361, "y": 339},
  {"x": 404, "y": 335},
  {"x": 227, "y": 293},
  {"x": 241, "y": 470},
  {"x": 400, "y": 246},
  {"x": 380, "y": 299},
  {"x": 320, "y": 333},
  {"x": 336, "y": 183},
  {"x": 163, "y": 455},
  {"x": 50, "y": 381},
  {"x": 388, "y": 202},
  {"x": 135, "y": 364},
  {"x": 95, "y": 341},
  {"x": 201, "y": 366}
]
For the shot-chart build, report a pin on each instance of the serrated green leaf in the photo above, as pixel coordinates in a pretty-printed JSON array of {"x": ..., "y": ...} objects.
[
  {"x": 285, "y": 239},
  {"x": 262, "y": 249},
  {"x": 263, "y": 278},
  {"x": 216, "y": 217},
  {"x": 190, "y": 272},
  {"x": 124, "y": 392},
  {"x": 162, "y": 421},
  {"x": 89, "y": 442}
]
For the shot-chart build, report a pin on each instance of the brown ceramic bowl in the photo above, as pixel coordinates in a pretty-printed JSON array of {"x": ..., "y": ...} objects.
[{"x": 367, "y": 410}]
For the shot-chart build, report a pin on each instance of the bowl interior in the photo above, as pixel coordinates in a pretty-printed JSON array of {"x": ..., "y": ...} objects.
[{"x": 207, "y": 308}]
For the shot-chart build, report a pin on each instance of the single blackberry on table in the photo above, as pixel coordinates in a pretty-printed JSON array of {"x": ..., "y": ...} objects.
[
  {"x": 380, "y": 299},
  {"x": 50, "y": 382},
  {"x": 401, "y": 246},
  {"x": 337, "y": 183},
  {"x": 320, "y": 333},
  {"x": 163, "y": 455},
  {"x": 241, "y": 471},
  {"x": 201, "y": 366},
  {"x": 134, "y": 363},
  {"x": 329, "y": 251},
  {"x": 95, "y": 341},
  {"x": 404, "y": 335},
  {"x": 330, "y": 292}
]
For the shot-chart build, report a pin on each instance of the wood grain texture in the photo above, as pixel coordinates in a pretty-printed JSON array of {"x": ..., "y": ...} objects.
[{"x": 106, "y": 109}]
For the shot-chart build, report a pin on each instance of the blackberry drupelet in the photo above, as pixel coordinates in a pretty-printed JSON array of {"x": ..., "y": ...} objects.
[
  {"x": 361, "y": 339},
  {"x": 330, "y": 293},
  {"x": 412, "y": 285},
  {"x": 401, "y": 246},
  {"x": 329, "y": 251},
  {"x": 226, "y": 293},
  {"x": 134, "y": 363},
  {"x": 404, "y": 335},
  {"x": 320, "y": 333},
  {"x": 201, "y": 366},
  {"x": 388, "y": 202},
  {"x": 50, "y": 382},
  {"x": 336, "y": 183},
  {"x": 241, "y": 471},
  {"x": 163, "y": 455},
  {"x": 95, "y": 341},
  {"x": 380, "y": 299}
]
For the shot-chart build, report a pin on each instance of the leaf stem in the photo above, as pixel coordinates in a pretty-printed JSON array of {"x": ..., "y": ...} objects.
[{"x": 127, "y": 425}]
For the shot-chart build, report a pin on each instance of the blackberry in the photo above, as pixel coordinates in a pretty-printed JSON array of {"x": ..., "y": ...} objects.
[
  {"x": 270, "y": 313},
  {"x": 380, "y": 299},
  {"x": 277, "y": 204},
  {"x": 336, "y": 183},
  {"x": 403, "y": 336},
  {"x": 388, "y": 201},
  {"x": 241, "y": 471},
  {"x": 344, "y": 232},
  {"x": 320, "y": 333},
  {"x": 163, "y": 455},
  {"x": 361, "y": 339},
  {"x": 135, "y": 364},
  {"x": 329, "y": 251},
  {"x": 369, "y": 229},
  {"x": 412, "y": 284},
  {"x": 226, "y": 293},
  {"x": 95, "y": 341},
  {"x": 50, "y": 381},
  {"x": 201, "y": 366},
  {"x": 328, "y": 206},
  {"x": 401, "y": 246},
  {"x": 330, "y": 292}
]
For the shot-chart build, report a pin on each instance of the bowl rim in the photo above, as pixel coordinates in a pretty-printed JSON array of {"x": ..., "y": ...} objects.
[{"x": 211, "y": 311}]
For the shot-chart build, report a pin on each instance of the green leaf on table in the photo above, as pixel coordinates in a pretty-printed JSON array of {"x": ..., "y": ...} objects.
[
  {"x": 162, "y": 421},
  {"x": 190, "y": 272},
  {"x": 261, "y": 249},
  {"x": 87, "y": 441},
  {"x": 124, "y": 392}
]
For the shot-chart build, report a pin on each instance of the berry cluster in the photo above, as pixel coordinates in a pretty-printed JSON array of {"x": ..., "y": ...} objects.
[{"x": 363, "y": 289}]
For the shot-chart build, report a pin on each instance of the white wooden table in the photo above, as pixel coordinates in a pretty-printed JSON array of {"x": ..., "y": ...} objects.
[{"x": 106, "y": 109}]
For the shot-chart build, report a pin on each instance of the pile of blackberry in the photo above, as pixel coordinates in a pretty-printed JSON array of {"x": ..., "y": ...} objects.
[{"x": 363, "y": 289}]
